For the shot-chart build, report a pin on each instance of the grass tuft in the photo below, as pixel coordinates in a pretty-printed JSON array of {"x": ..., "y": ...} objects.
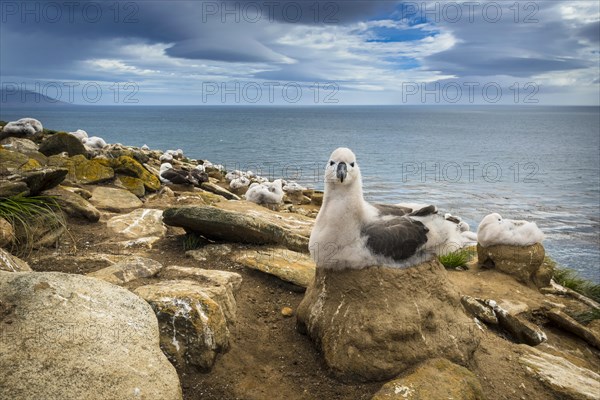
[
  {"x": 569, "y": 279},
  {"x": 458, "y": 258},
  {"x": 21, "y": 211},
  {"x": 192, "y": 241},
  {"x": 587, "y": 316}
]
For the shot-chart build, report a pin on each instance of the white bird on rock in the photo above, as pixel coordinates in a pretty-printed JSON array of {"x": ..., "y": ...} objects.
[
  {"x": 494, "y": 230},
  {"x": 352, "y": 233}
]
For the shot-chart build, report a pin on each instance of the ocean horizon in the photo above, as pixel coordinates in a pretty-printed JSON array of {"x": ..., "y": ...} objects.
[{"x": 537, "y": 163}]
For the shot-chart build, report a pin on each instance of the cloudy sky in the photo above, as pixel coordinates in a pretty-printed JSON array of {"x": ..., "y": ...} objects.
[{"x": 303, "y": 52}]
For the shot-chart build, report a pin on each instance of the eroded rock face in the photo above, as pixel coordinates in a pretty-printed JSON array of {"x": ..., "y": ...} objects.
[
  {"x": 232, "y": 226},
  {"x": 522, "y": 262},
  {"x": 374, "y": 323},
  {"x": 193, "y": 326},
  {"x": 72, "y": 337},
  {"x": 434, "y": 379},
  {"x": 561, "y": 376}
]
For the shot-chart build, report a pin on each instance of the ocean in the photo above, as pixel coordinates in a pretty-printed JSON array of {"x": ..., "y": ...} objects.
[{"x": 534, "y": 163}]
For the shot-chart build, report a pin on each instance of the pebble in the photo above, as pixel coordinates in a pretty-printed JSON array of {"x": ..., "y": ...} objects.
[{"x": 287, "y": 312}]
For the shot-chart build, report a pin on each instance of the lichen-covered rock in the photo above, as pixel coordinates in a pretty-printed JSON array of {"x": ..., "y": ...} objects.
[
  {"x": 234, "y": 226},
  {"x": 21, "y": 145},
  {"x": 115, "y": 200},
  {"x": 10, "y": 189},
  {"x": 82, "y": 170},
  {"x": 66, "y": 336},
  {"x": 11, "y": 263},
  {"x": 374, "y": 323},
  {"x": 127, "y": 270},
  {"x": 140, "y": 223},
  {"x": 126, "y": 165},
  {"x": 193, "y": 325},
  {"x": 11, "y": 160},
  {"x": 73, "y": 204},
  {"x": 434, "y": 379},
  {"x": 288, "y": 265},
  {"x": 134, "y": 185},
  {"x": 62, "y": 142},
  {"x": 522, "y": 262},
  {"x": 566, "y": 379}
]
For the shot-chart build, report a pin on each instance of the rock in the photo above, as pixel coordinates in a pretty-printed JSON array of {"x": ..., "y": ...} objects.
[
  {"x": 143, "y": 242},
  {"x": 127, "y": 270},
  {"x": 287, "y": 312},
  {"x": 567, "y": 323},
  {"x": 11, "y": 189},
  {"x": 72, "y": 337},
  {"x": 210, "y": 251},
  {"x": 21, "y": 145},
  {"x": 372, "y": 324},
  {"x": 134, "y": 185},
  {"x": 561, "y": 376},
  {"x": 514, "y": 307},
  {"x": 231, "y": 226},
  {"x": 73, "y": 204},
  {"x": 317, "y": 198},
  {"x": 25, "y": 127},
  {"x": 216, "y": 189},
  {"x": 115, "y": 200},
  {"x": 43, "y": 179},
  {"x": 7, "y": 233},
  {"x": 521, "y": 262},
  {"x": 434, "y": 379},
  {"x": 290, "y": 266},
  {"x": 11, "y": 263},
  {"x": 41, "y": 230},
  {"x": 62, "y": 142},
  {"x": 521, "y": 329},
  {"x": 82, "y": 170},
  {"x": 126, "y": 165},
  {"x": 192, "y": 325},
  {"x": 221, "y": 286},
  {"x": 11, "y": 160},
  {"x": 478, "y": 309},
  {"x": 140, "y": 223}
]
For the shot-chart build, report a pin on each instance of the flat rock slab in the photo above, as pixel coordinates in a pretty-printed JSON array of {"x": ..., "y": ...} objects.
[
  {"x": 561, "y": 376},
  {"x": 287, "y": 265},
  {"x": 11, "y": 263},
  {"x": 374, "y": 323},
  {"x": 127, "y": 270},
  {"x": 70, "y": 337},
  {"x": 434, "y": 379},
  {"x": 233, "y": 226},
  {"x": 216, "y": 189},
  {"x": 115, "y": 200},
  {"x": 143, "y": 222},
  {"x": 74, "y": 204}
]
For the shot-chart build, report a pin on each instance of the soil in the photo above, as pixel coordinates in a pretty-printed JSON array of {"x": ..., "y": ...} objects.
[{"x": 270, "y": 359}]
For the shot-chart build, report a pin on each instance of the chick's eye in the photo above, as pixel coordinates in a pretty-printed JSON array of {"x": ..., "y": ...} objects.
[
  {"x": 352, "y": 164},
  {"x": 331, "y": 162}
]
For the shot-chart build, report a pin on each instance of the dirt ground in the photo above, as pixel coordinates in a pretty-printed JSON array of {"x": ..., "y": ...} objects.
[{"x": 269, "y": 359}]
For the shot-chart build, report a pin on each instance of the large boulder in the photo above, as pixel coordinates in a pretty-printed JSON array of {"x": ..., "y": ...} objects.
[
  {"x": 21, "y": 145},
  {"x": 82, "y": 170},
  {"x": 143, "y": 222},
  {"x": 115, "y": 200},
  {"x": 434, "y": 379},
  {"x": 193, "y": 325},
  {"x": 42, "y": 179},
  {"x": 374, "y": 323},
  {"x": 70, "y": 337},
  {"x": 62, "y": 142},
  {"x": 233, "y": 226},
  {"x": 525, "y": 263}
]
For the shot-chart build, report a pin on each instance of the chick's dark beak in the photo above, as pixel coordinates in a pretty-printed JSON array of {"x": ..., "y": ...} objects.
[{"x": 342, "y": 171}]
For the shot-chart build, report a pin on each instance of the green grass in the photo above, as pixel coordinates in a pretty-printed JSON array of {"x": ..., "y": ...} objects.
[
  {"x": 587, "y": 316},
  {"x": 569, "y": 279},
  {"x": 458, "y": 258},
  {"x": 192, "y": 241},
  {"x": 20, "y": 211}
]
